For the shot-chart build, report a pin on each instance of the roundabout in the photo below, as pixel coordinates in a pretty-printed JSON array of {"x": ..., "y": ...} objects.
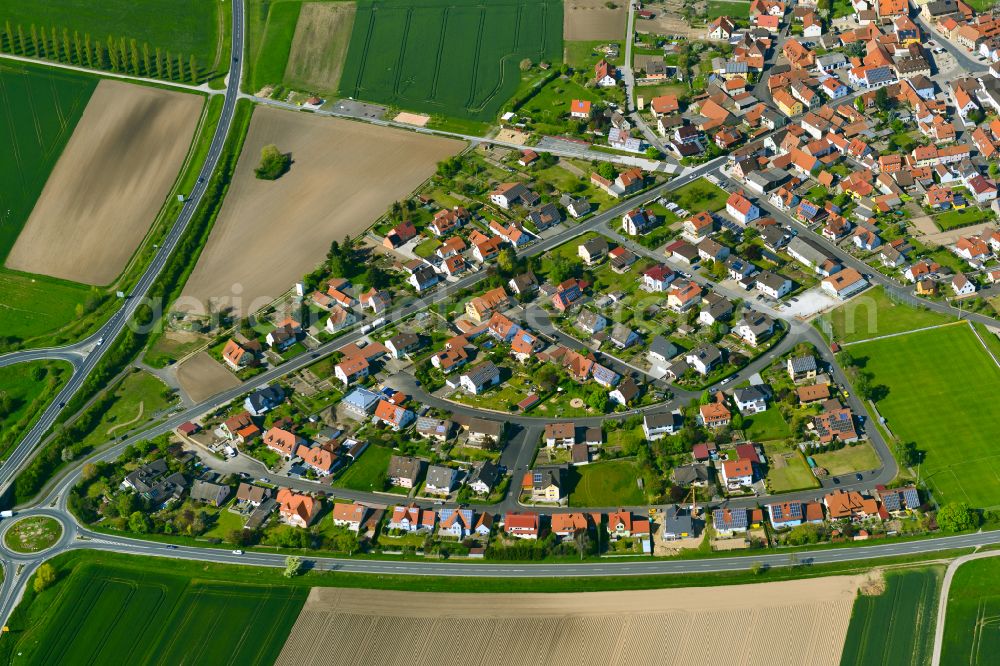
[{"x": 32, "y": 535}]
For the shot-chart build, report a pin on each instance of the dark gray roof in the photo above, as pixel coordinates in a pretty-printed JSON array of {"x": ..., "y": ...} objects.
[
  {"x": 678, "y": 521},
  {"x": 483, "y": 373},
  {"x": 440, "y": 476},
  {"x": 663, "y": 347},
  {"x": 487, "y": 472},
  {"x": 404, "y": 467},
  {"x": 803, "y": 364}
]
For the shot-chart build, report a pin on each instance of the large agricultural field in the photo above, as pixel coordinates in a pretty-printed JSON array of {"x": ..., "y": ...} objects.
[
  {"x": 185, "y": 27},
  {"x": 270, "y": 31},
  {"x": 109, "y": 183},
  {"x": 155, "y": 617},
  {"x": 39, "y": 109},
  {"x": 809, "y": 616},
  {"x": 446, "y": 57},
  {"x": 322, "y": 35},
  {"x": 594, "y": 19},
  {"x": 941, "y": 384},
  {"x": 343, "y": 176},
  {"x": 896, "y": 627},
  {"x": 972, "y": 623}
]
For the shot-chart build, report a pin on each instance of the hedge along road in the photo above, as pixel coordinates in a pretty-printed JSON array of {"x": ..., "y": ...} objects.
[{"x": 102, "y": 340}]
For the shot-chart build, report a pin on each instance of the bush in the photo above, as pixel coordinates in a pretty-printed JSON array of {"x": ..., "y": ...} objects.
[{"x": 273, "y": 163}]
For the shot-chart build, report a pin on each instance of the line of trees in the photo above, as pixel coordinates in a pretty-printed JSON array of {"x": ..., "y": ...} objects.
[{"x": 123, "y": 56}]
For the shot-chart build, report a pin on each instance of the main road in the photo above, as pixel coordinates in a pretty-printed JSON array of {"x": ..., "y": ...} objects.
[{"x": 99, "y": 342}]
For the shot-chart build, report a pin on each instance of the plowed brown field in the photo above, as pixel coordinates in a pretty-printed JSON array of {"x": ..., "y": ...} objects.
[
  {"x": 592, "y": 19},
  {"x": 269, "y": 234},
  {"x": 793, "y": 622},
  {"x": 108, "y": 184}
]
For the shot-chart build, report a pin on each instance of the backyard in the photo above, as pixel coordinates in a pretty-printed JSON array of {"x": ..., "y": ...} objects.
[
  {"x": 857, "y": 458},
  {"x": 367, "y": 472},
  {"x": 605, "y": 484},
  {"x": 787, "y": 469}
]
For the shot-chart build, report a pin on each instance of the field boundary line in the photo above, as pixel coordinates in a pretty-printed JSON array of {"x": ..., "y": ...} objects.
[
  {"x": 442, "y": 36},
  {"x": 983, "y": 343},
  {"x": 204, "y": 88},
  {"x": 902, "y": 333},
  {"x": 949, "y": 574}
]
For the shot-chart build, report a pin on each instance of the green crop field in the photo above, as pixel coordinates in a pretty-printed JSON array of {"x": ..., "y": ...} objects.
[
  {"x": 39, "y": 109},
  {"x": 270, "y": 30},
  {"x": 873, "y": 314},
  {"x": 972, "y": 622},
  {"x": 611, "y": 483},
  {"x": 446, "y": 57},
  {"x": 897, "y": 626},
  {"x": 107, "y": 614},
  {"x": 941, "y": 384},
  {"x": 187, "y": 27}
]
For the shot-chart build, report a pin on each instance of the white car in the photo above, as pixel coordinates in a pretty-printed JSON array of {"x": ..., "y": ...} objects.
[{"x": 237, "y": 552}]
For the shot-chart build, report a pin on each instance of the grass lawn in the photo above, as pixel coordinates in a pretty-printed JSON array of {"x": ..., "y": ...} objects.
[
  {"x": 795, "y": 475},
  {"x": 30, "y": 387},
  {"x": 895, "y": 628},
  {"x": 270, "y": 30},
  {"x": 225, "y": 523},
  {"x": 33, "y": 305},
  {"x": 185, "y": 27},
  {"x": 136, "y": 399},
  {"x": 611, "y": 483},
  {"x": 369, "y": 468},
  {"x": 766, "y": 426},
  {"x": 736, "y": 9},
  {"x": 941, "y": 385},
  {"x": 874, "y": 313},
  {"x": 858, "y": 458},
  {"x": 31, "y": 535},
  {"x": 699, "y": 195},
  {"x": 444, "y": 59},
  {"x": 581, "y": 54},
  {"x": 962, "y": 217},
  {"x": 427, "y": 248},
  {"x": 971, "y": 631},
  {"x": 147, "y": 614}
]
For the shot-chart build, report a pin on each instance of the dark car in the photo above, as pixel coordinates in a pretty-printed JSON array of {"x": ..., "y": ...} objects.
[
  {"x": 858, "y": 477},
  {"x": 836, "y": 480}
]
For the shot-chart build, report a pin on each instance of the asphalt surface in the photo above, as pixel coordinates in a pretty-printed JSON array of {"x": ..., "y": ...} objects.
[{"x": 101, "y": 340}]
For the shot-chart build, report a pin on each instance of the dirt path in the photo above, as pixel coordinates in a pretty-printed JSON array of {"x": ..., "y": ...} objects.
[
  {"x": 726, "y": 624},
  {"x": 127, "y": 423},
  {"x": 108, "y": 184}
]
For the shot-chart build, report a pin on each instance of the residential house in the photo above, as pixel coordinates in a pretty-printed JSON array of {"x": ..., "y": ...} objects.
[
  {"x": 404, "y": 471},
  {"x": 479, "y": 378},
  {"x": 412, "y": 519},
  {"x": 296, "y": 509},
  {"x": 521, "y": 525},
  {"x": 657, "y": 425},
  {"x": 440, "y": 480}
]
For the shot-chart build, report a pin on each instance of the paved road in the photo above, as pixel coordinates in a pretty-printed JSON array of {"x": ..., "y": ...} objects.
[{"x": 102, "y": 339}]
